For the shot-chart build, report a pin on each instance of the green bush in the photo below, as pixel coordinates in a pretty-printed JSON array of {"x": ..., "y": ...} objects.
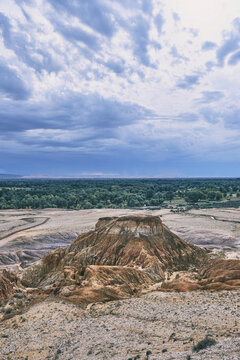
[{"x": 203, "y": 344}]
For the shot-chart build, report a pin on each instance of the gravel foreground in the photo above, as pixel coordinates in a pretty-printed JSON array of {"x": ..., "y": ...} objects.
[{"x": 165, "y": 324}]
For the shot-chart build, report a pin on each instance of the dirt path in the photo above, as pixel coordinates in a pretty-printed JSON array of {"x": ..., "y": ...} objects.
[{"x": 20, "y": 230}]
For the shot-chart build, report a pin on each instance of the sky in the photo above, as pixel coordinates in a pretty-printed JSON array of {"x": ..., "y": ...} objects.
[{"x": 120, "y": 88}]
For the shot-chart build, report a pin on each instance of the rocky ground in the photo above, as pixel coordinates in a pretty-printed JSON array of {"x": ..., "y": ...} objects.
[{"x": 167, "y": 325}]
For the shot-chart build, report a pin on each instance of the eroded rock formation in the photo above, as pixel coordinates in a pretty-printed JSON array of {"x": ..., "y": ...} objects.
[
  {"x": 121, "y": 257},
  {"x": 6, "y": 288}
]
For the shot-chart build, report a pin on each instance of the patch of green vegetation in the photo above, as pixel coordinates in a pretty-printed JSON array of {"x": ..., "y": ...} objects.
[
  {"x": 181, "y": 194},
  {"x": 203, "y": 344}
]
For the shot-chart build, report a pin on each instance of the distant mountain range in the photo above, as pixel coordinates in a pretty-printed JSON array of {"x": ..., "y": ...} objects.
[
  {"x": 103, "y": 176},
  {"x": 10, "y": 176}
]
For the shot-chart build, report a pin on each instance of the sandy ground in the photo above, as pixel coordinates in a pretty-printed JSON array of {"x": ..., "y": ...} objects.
[{"x": 119, "y": 330}]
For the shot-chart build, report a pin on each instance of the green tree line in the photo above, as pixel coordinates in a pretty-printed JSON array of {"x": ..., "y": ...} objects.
[{"x": 116, "y": 193}]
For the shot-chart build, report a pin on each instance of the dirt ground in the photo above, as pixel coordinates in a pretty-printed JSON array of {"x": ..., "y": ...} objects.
[{"x": 167, "y": 324}]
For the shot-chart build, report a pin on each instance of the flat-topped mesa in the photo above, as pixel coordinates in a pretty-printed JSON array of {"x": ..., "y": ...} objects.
[
  {"x": 137, "y": 225},
  {"x": 122, "y": 257},
  {"x": 138, "y": 241}
]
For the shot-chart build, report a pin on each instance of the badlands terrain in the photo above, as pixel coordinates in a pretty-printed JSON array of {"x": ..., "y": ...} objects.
[
  {"x": 121, "y": 290},
  {"x": 27, "y": 235}
]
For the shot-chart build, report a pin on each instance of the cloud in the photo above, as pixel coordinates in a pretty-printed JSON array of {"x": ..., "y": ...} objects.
[
  {"x": 227, "y": 47},
  {"x": 208, "y": 45},
  {"x": 77, "y": 118},
  {"x": 228, "y": 117},
  {"x": 210, "y": 115},
  {"x": 139, "y": 32},
  {"x": 95, "y": 14},
  {"x": 11, "y": 85},
  {"x": 230, "y": 43},
  {"x": 231, "y": 118},
  {"x": 210, "y": 96},
  {"x": 147, "y": 6},
  {"x": 159, "y": 21},
  {"x": 84, "y": 77},
  {"x": 76, "y": 34},
  {"x": 234, "y": 59},
  {"x": 174, "y": 52},
  {"x": 117, "y": 66},
  {"x": 27, "y": 51},
  {"x": 176, "y": 17},
  {"x": 188, "y": 81}
]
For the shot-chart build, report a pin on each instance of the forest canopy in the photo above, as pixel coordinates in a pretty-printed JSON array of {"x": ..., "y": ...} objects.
[{"x": 118, "y": 193}]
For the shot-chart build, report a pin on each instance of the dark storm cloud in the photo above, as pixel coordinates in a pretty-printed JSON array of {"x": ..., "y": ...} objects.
[
  {"x": 11, "y": 84},
  {"x": 26, "y": 50},
  {"x": 188, "y": 81},
  {"x": 77, "y": 116}
]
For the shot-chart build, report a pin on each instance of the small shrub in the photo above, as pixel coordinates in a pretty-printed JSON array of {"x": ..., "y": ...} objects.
[
  {"x": 203, "y": 344},
  {"x": 8, "y": 310},
  {"x": 188, "y": 357},
  {"x": 164, "y": 350}
]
